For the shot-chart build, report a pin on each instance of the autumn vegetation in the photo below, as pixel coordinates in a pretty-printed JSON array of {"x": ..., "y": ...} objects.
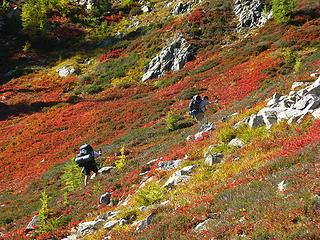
[{"x": 45, "y": 118}]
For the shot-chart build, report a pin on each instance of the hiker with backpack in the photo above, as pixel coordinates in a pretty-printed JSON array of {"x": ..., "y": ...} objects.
[
  {"x": 197, "y": 107},
  {"x": 86, "y": 159}
]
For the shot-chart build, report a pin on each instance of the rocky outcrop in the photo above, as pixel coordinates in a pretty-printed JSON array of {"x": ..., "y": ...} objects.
[
  {"x": 171, "y": 58},
  {"x": 250, "y": 14},
  {"x": 292, "y": 107}
]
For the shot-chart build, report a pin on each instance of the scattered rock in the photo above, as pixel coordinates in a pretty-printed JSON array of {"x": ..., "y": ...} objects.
[
  {"x": 123, "y": 222},
  {"x": 171, "y": 58},
  {"x": 145, "y": 223},
  {"x": 169, "y": 165},
  {"x": 146, "y": 9},
  {"x": 282, "y": 186},
  {"x": 207, "y": 127},
  {"x": 88, "y": 227},
  {"x": 105, "y": 198},
  {"x": 181, "y": 8},
  {"x": 65, "y": 71},
  {"x": 236, "y": 142},
  {"x": 32, "y": 224},
  {"x": 111, "y": 224},
  {"x": 214, "y": 158},
  {"x": 179, "y": 177},
  {"x": 105, "y": 170},
  {"x": 203, "y": 225}
]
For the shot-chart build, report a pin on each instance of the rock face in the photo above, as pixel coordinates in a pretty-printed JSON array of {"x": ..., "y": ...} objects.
[
  {"x": 171, "y": 58},
  {"x": 292, "y": 107},
  {"x": 180, "y": 176},
  {"x": 181, "y": 8},
  {"x": 250, "y": 14}
]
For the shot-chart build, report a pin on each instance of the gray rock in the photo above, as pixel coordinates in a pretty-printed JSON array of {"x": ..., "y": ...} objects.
[
  {"x": 32, "y": 224},
  {"x": 179, "y": 177},
  {"x": 275, "y": 99},
  {"x": 213, "y": 158},
  {"x": 207, "y": 127},
  {"x": 105, "y": 170},
  {"x": 105, "y": 198},
  {"x": 181, "y": 8},
  {"x": 145, "y": 223},
  {"x": 65, "y": 71},
  {"x": 171, "y": 58},
  {"x": 146, "y": 9},
  {"x": 89, "y": 227},
  {"x": 169, "y": 165},
  {"x": 111, "y": 224},
  {"x": 123, "y": 222},
  {"x": 203, "y": 225},
  {"x": 236, "y": 142},
  {"x": 255, "y": 121},
  {"x": 316, "y": 113}
]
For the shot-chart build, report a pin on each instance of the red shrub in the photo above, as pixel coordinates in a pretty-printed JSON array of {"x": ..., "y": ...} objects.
[{"x": 112, "y": 54}]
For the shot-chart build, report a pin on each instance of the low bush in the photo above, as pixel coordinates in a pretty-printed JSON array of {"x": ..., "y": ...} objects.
[{"x": 150, "y": 194}]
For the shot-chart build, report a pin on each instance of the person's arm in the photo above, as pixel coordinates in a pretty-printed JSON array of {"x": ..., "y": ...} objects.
[{"x": 97, "y": 154}]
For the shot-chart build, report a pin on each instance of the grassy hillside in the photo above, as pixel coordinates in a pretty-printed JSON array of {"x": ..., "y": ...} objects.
[{"x": 45, "y": 118}]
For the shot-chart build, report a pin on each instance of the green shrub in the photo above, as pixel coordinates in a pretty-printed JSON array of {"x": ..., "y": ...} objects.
[
  {"x": 46, "y": 224},
  {"x": 150, "y": 194},
  {"x": 122, "y": 160},
  {"x": 289, "y": 56},
  {"x": 282, "y": 10},
  {"x": 72, "y": 176},
  {"x": 297, "y": 65},
  {"x": 34, "y": 19},
  {"x": 171, "y": 121}
]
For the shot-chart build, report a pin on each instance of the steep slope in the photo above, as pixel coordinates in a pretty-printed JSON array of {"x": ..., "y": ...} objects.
[{"x": 44, "y": 118}]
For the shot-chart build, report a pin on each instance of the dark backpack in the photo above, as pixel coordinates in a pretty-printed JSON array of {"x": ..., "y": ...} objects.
[
  {"x": 194, "y": 105},
  {"x": 85, "y": 156}
]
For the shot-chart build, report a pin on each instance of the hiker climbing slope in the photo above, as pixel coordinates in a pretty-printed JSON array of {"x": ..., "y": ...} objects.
[
  {"x": 197, "y": 107},
  {"x": 86, "y": 159}
]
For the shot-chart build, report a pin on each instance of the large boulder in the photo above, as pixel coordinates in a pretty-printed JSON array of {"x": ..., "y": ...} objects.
[
  {"x": 65, "y": 71},
  {"x": 213, "y": 158},
  {"x": 250, "y": 14},
  {"x": 111, "y": 224},
  {"x": 205, "y": 128},
  {"x": 171, "y": 58}
]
